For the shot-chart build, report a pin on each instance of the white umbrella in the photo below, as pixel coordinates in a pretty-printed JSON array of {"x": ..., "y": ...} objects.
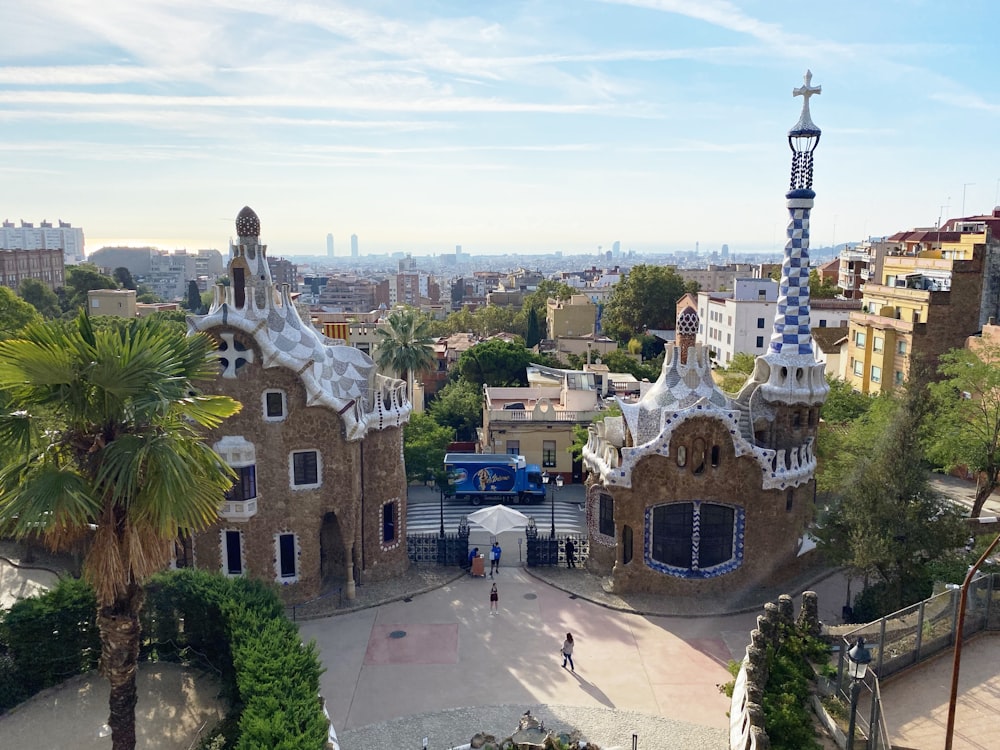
[{"x": 498, "y": 518}]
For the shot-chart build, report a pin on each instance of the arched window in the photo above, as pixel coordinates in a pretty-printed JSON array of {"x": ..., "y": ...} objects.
[
  {"x": 682, "y": 456},
  {"x": 626, "y": 545},
  {"x": 694, "y": 539},
  {"x": 715, "y": 456},
  {"x": 698, "y": 456},
  {"x": 606, "y": 519}
]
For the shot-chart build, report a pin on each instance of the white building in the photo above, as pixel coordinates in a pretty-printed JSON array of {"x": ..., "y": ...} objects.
[
  {"x": 741, "y": 320},
  {"x": 45, "y": 236}
]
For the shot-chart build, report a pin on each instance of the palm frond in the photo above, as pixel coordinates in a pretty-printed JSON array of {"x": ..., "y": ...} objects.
[{"x": 39, "y": 497}]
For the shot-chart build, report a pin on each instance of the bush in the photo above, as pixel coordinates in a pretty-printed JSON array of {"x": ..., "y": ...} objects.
[
  {"x": 46, "y": 639},
  {"x": 884, "y": 598},
  {"x": 787, "y": 718},
  {"x": 238, "y": 626}
]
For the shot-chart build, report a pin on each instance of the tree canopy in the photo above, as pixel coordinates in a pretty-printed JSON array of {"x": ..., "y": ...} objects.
[
  {"x": 37, "y": 294},
  {"x": 459, "y": 406},
  {"x": 645, "y": 298},
  {"x": 80, "y": 280},
  {"x": 496, "y": 363},
  {"x": 424, "y": 444},
  {"x": 405, "y": 344},
  {"x": 888, "y": 524},
  {"x": 15, "y": 313},
  {"x": 965, "y": 432}
]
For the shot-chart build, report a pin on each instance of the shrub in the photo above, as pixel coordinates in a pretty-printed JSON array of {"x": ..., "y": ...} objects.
[{"x": 46, "y": 639}]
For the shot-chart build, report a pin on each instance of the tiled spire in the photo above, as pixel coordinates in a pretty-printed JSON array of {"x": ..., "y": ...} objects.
[{"x": 791, "y": 322}]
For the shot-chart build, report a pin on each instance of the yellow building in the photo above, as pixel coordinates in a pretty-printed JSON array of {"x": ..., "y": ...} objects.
[
  {"x": 119, "y": 303},
  {"x": 576, "y": 316},
  {"x": 935, "y": 289},
  {"x": 537, "y": 422}
]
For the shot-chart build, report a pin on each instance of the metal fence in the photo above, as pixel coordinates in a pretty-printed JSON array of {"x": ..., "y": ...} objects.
[
  {"x": 553, "y": 551},
  {"x": 450, "y": 549},
  {"x": 453, "y": 549},
  {"x": 910, "y": 636}
]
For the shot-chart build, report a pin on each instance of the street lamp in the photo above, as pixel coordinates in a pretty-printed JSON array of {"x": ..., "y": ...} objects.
[
  {"x": 558, "y": 482},
  {"x": 858, "y": 659}
]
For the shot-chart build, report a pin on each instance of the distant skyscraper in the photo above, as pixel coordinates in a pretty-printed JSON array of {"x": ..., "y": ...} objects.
[
  {"x": 616, "y": 248},
  {"x": 329, "y": 246},
  {"x": 354, "y": 246},
  {"x": 725, "y": 253}
]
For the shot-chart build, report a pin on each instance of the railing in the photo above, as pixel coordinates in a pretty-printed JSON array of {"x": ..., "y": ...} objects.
[
  {"x": 910, "y": 636},
  {"x": 544, "y": 551},
  {"x": 552, "y": 415},
  {"x": 451, "y": 549}
]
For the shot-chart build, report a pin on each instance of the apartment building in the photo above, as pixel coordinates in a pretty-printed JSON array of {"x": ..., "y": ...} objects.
[
  {"x": 62, "y": 236},
  {"x": 43, "y": 264},
  {"x": 741, "y": 321},
  {"x": 576, "y": 316},
  {"x": 936, "y": 288}
]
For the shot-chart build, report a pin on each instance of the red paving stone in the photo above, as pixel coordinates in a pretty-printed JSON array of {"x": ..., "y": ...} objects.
[{"x": 422, "y": 644}]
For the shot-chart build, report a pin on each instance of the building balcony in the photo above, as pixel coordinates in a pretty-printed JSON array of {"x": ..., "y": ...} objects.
[
  {"x": 552, "y": 415},
  {"x": 239, "y": 510}
]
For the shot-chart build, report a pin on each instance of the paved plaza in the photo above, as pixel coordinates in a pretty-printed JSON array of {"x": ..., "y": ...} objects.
[{"x": 420, "y": 656}]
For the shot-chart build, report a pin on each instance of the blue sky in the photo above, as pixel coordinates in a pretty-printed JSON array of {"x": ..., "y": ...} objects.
[{"x": 501, "y": 126}]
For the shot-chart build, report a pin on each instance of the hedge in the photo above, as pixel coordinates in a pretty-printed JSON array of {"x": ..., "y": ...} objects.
[{"x": 233, "y": 626}]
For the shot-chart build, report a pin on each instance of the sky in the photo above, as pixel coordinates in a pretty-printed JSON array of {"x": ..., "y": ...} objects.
[{"x": 507, "y": 126}]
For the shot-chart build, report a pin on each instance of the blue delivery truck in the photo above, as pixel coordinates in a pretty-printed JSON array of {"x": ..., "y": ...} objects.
[{"x": 493, "y": 477}]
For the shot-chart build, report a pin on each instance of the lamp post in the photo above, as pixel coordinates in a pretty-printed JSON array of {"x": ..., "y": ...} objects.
[
  {"x": 558, "y": 483},
  {"x": 858, "y": 659}
]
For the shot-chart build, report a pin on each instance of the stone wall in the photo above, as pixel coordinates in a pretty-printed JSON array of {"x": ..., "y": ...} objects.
[
  {"x": 357, "y": 478},
  {"x": 774, "y": 519}
]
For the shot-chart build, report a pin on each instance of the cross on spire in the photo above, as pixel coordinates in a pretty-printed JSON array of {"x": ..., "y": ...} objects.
[{"x": 805, "y": 122}]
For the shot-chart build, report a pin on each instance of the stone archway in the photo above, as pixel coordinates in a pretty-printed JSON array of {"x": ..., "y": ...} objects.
[{"x": 334, "y": 562}]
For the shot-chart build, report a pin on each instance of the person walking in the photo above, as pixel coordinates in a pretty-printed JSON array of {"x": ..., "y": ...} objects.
[
  {"x": 567, "y": 652},
  {"x": 494, "y": 600},
  {"x": 570, "y": 553},
  {"x": 495, "y": 553}
]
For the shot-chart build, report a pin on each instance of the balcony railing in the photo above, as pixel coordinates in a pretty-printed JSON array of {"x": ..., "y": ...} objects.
[
  {"x": 242, "y": 510},
  {"x": 553, "y": 415}
]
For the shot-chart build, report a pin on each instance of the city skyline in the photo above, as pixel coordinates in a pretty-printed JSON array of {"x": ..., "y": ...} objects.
[{"x": 523, "y": 127}]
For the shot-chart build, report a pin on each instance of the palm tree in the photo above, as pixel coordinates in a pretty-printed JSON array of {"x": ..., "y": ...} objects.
[
  {"x": 100, "y": 442},
  {"x": 405, "y": 345}
]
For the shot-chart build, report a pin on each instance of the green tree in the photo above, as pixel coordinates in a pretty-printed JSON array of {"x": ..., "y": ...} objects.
[
  {"x": 646, "y": 298},
  {"x": 103, "y": 435},
  {"x": 493, "y": 319},
  {"x": 843, "y": 403},
  {"x": 966, "y": 427},
  {"x": 145, "y": 294},
  {"x": 889, "y": 524},
  {"x": 15, "y": 313},
  {"x": 533, "y": 332},
  {"x": 424, "y": 444},
  {"x": 459, "y": 406},
  {"x": 742, "y": 363},
  {"x": 39, "y": 296},
  {"x": 405, "y": 344},
  {"x": 496, "y": 363},
  {"x": 825, "y": 289},
  {"x": 123, "y": 277},
  {"x": 80, "y": 280},
  {"x": 193, "y": 302}
]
